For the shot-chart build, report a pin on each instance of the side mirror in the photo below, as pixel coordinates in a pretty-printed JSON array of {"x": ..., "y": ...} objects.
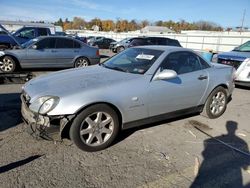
[
  {"x": 34, "y": 47},
  {"x": 165, "y": 75}
]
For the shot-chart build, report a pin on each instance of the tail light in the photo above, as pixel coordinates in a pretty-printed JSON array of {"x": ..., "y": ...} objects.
[{"x": 97, "y": 53}]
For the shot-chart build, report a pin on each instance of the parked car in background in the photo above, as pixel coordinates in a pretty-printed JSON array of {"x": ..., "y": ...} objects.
[
  {"x": 103, "y": 43},
  {"x": 142, "y": 41},
  {"x": 8, "y": 40},
  {"x": 83, "y": 39},
  {"x": 120, "y": 45},
  {"x": 154, "y": 83},
  {"x": 92, "y": 39},
  {"x": 239, "y": 58},
  {"x": 49, "y": 52}
]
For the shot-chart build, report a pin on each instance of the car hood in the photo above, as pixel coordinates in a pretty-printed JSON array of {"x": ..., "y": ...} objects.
[
  {"x": 234, "y": 55},
  {"x": 71, "y": 81}
]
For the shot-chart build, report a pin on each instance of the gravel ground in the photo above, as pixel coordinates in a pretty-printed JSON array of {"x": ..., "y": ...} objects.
[{"x": 166, "y": 154}]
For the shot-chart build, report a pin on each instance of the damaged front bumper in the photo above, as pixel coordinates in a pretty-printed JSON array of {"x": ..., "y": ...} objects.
[{"x": 43, "y": 126}]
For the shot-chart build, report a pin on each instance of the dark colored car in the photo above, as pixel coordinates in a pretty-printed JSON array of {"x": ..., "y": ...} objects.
[
  {"x": 239, "y": 58},
  {"x": 8, "y": 40},
  {"x": 49, "y": 52},
  {"x": 92, "y": 39},
  {"x": 103, "y": 43},
  {"x": 142, "y": 41}
]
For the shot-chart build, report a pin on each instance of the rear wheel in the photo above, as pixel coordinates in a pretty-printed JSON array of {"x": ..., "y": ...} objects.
[
  {"x": 216, "y": 103},
  {"x": 81, "y": 62},
  {"x": 7, "y": 65},
  {"x": 95, "y": 128}
]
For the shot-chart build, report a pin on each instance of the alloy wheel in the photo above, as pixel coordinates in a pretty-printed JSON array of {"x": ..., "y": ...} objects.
[
  {"x": 7, "y": 65},
  {"x": 82, "y": 62},
  {"x": 96, "y": 128},
  {"x": 218, "y": 103}
]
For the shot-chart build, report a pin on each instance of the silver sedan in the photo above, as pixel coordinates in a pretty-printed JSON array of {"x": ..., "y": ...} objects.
[
  {"x": 49, "y": 52},
  {"x": 139, "y": 86}
]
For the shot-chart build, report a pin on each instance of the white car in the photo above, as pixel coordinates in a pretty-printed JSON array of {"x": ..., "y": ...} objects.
[{"x": 239, "y": 58}]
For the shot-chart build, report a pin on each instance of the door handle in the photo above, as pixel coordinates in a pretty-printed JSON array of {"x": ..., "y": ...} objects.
[
  {"x": 202, "y": 77},
  {"x": 76, "y": 51},
  {"x": 53, "y": 51}
]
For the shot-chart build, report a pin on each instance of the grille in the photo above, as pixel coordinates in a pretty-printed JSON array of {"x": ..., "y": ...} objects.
[{"x": 233, "y": 63}]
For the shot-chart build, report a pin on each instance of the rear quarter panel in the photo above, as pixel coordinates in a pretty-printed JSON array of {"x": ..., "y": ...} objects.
[{"x": 219, "y": 76}]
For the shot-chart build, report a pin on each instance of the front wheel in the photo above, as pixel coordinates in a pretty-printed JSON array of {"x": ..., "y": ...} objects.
[
  {"x": 216, "y": 103},
  {"x": 95, "y": 128},
  {"x": 120, "y": 49},
  {"x": 7, "y": 65}
]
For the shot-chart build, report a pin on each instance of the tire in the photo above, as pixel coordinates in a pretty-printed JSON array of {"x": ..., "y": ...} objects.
[
  {"x": 216, "y": 103},
  {"x": 7, "y": 65},
  {"x": 114, "y": 50},
  {"x": 81, "y": 62},
  {"x": 95, "y": 128},
  {"x": 4, "y": 46},
  {"x": 120, "y": 49}
]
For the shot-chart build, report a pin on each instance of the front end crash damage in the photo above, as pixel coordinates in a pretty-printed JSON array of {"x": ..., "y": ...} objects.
[{"x": 44, "y": 126}]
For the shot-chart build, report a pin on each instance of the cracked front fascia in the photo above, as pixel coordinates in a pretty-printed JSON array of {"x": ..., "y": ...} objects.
[{"x": 64, "y": 121}]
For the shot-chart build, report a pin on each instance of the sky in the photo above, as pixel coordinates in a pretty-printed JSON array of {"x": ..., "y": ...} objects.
[{"x": 227, "y": 13}]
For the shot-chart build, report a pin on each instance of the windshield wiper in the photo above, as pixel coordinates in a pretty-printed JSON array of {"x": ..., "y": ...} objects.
[
  {"x": 114, "y": 68},
  {"x": 118, "y": 68}
]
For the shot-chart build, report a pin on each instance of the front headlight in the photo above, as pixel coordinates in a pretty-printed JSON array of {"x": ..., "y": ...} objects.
[{"x": 44, "y": 104}]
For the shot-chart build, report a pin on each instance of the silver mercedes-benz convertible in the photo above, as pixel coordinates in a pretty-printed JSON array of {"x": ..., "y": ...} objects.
[{"x": 139, "y": 86}]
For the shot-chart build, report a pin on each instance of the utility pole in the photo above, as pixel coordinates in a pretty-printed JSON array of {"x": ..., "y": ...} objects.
[{"x": 243, "y": 18}]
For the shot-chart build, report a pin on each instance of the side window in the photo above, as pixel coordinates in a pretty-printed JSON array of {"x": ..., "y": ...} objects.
[
  {"x": 173, "y": 43},
  {"x": 64, "y": 43},
  {"x": 105, "y": 41},
  {"x": 182, "y": 62},
  {"x": 28, "y": 33},
  {"x": 46, "y": 43},
  {"x": 42, "y": 32},
  {"x": 3, "y": 33},
  {"x": 204, "y": 64},
  {"x": 76, "y": 44},
  {"x": 138, "y": 42},
  {"x": 162, "y": 41}
]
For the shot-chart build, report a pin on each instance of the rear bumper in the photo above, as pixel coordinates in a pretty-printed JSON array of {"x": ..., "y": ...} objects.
[{"x": 94, "y": 61}]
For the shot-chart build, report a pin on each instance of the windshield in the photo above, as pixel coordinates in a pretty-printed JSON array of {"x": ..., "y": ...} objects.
[
  {"x": 29, "y": 43},
  {"x": 133, "y": 60},
  {"x": 124, "y": 40},
  {"x": 244, "y": 47}
]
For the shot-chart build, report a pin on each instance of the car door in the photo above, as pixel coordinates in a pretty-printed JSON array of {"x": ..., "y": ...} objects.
[
  {"x": 41, "y": 54},
  {"x": 65, "y": 52},
  {"x": 183, "y": 92}
]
